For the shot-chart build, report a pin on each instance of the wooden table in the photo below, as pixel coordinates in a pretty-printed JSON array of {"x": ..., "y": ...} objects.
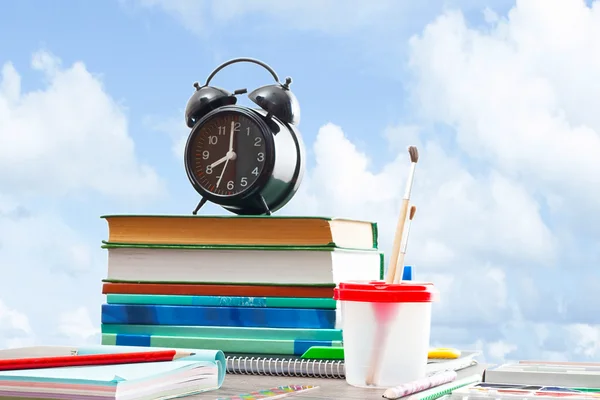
[{"x": 328, "y": 388}]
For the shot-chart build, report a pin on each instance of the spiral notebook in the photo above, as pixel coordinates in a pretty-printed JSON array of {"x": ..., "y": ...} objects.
[{"x": 257, "y": 365}]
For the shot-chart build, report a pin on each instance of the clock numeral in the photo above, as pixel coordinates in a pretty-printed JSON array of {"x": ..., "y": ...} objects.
[
  {"x": 255, "y": 171},
  {"x": 244, "y": 182},
  {"x": 212, "y": 140},
  {"x": 205, "y": 155},
  {"x": 260, "y": 157},
  {"x": 257, "y": 141},
  {"x": 209, "y": 169},
  {"x": 236, "y": 126},
  {"x": 221, "y": 130},
  {"x": 248, "y": 131},
  {"x": 230, "y": 185}
]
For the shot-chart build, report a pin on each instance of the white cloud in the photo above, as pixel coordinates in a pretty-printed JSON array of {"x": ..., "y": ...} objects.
[
  {"x": 68, "y": 137},
  {"x": 522, "y": 99},
  {"x": 509, "y": 205},
  {"x": 587, "y": 339},
  {"x": 317, "y": 15},
  {"x": 64, "y": 146},
  {"x": 175, "y": 128},
  {"x": 522, "y": 96},
  {"x": 460, "y": 233},
  {"x": 499, "y": 349},
  {"x": 15, "y": 330},
  {"x": 43, "y": 238},
  {"x": 78, "y": 327},
  {"x": 330, "y": 17},
  {"x": 458, "y": 211}
]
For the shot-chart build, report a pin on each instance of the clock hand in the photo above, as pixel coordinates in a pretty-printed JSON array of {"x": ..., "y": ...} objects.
[
  {"x": 223, "y": 172},
  {"x": 220, "y": 161},
  {"x": 231, "y": 137},
  {"x": 228, "y": 155}
]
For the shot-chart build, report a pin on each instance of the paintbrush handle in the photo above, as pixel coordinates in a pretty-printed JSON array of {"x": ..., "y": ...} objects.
[
  {"x": 397, "y": 242},
  {"x": 400, "y": 265},
  {"x": 373, "y": 372},
  {"x": 400, "y": 268}
]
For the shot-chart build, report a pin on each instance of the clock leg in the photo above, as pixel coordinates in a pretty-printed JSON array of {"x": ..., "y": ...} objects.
[
  {"x": 263, "y": 203},
  {"x": 199, "y": 206}
]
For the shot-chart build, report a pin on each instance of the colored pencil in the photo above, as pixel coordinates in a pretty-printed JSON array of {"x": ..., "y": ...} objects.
[
  {"x": 91, "y": 359},
  {"x": 420, "y": 385},
  {"x": 439, "y": 391}
]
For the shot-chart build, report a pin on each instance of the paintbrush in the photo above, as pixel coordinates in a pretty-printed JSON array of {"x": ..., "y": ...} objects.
[
  {"x": 414, "y": 157},
  {"x": 384, "y": 313},
  {"x": 400, "y": 265}
]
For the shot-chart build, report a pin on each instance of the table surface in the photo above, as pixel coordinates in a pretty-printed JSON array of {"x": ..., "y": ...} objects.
[{"x": 328, "y": 388}]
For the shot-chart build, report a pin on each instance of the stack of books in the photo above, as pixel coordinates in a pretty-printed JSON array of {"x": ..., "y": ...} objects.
[{"x": 240, "y": 284}]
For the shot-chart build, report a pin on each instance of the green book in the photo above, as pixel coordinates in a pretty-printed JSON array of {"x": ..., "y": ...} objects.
[
  {"x": 227, "y": 345},
  {"x": 228, "y": 230},
  {"x": 224, "y": 332}
]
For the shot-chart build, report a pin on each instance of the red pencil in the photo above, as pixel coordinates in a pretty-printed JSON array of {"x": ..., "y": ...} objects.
[{"x": 91, "y": 359}]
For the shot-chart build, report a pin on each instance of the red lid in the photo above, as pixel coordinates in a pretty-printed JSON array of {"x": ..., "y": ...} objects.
[{"x": 381, "y": 292}]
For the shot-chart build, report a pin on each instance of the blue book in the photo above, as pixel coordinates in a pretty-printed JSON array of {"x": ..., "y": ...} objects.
[{"x": 143, "y": 314}]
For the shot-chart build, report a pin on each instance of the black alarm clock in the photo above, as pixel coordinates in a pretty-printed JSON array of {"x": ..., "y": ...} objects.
[{"x": 249, "y": 161}]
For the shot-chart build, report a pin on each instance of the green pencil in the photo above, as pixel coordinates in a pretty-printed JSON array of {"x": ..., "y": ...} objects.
[{"x": 437, "y": 392}]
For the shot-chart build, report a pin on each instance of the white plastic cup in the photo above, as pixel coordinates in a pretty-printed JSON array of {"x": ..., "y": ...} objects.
[{"x": 386, "y": 331}]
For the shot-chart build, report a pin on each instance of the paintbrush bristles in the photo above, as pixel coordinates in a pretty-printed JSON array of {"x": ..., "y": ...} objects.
[
  {"x": 413, "y": 210},
  {"x": 414, "y": 154}
]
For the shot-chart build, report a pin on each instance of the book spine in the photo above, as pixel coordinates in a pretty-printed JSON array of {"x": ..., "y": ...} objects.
[
  {"x": 217, "y": 247},
  {"x": 375, "y": 234},
  {"x": 192, "y": 289},
  {"x": 142, "y": 314},
  {"x": 286, "y": 367}
]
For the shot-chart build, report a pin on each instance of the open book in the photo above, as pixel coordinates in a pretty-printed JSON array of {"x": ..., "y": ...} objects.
[{"x": 198, "y": 373}]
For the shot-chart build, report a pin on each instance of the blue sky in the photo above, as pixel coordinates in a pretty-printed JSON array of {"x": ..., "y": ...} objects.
[{"x": 499, "y": 96}]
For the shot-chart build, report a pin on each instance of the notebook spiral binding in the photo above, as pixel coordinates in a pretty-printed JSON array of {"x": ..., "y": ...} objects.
[{"x": 286, "y": 367}]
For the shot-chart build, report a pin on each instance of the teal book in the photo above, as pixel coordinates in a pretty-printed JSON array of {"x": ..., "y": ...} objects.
[
  {"x": 296, "y": 347},
  {"x": 223, "y": 332},
  {"x": 222, "y": 301}
]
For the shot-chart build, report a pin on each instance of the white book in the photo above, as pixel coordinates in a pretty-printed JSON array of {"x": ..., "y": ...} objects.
[{"x": 219, "y": 265}]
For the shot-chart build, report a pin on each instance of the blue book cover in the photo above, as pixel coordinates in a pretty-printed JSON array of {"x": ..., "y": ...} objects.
[{"x": 144, "y": 314}]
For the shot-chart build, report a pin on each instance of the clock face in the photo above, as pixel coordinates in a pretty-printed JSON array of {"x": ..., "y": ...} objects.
[{"x": 227, "y": 153}]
